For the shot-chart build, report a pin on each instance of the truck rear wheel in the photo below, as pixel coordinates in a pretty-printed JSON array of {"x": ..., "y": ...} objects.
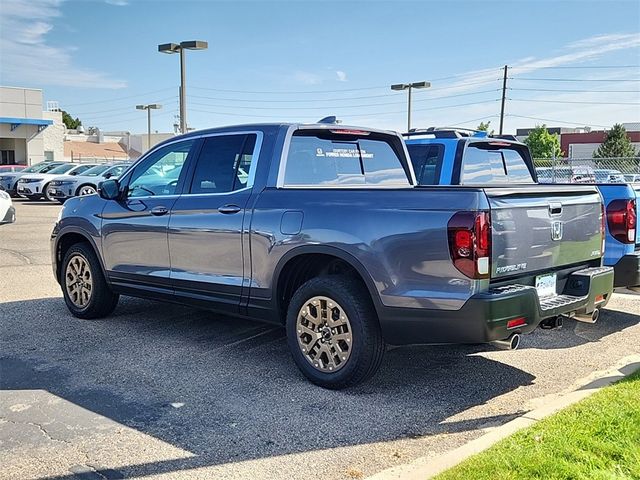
[{"x": 333, "y": 332}]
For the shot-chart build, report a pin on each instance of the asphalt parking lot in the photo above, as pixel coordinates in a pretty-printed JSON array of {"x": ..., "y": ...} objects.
[{"x": 163, "y": 391}]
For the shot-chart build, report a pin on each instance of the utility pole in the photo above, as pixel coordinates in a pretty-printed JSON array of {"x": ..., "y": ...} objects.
[{"x": 504, "y": 97}]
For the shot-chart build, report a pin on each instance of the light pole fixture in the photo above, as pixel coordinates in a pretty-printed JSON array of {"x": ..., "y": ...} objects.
[
  {"x": 148, "y": 108},
  {"x": 409, "y": 86},
  {"x": 180, "y": 48}
]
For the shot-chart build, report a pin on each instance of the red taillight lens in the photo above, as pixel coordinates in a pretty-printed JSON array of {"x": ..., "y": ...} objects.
[
  {"x": 603, "y": 231},
  {"x": 622, "y": 220},
  {"x": 516, "y": 322},
  {"x": 470, "y": 243}
]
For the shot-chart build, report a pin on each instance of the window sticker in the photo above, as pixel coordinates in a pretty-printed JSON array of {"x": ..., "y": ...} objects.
[{"x": 343, "y": 153}]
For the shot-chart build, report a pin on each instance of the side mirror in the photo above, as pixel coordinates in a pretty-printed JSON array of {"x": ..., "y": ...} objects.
[
  {"x": 109, "y": 189},
  {"x": 108, "y": 175}
]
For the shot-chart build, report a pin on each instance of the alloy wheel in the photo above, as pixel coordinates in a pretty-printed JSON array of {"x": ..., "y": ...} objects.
[
  {"x": 78, "y": 281},
  {"x": 324, "y": 334}
]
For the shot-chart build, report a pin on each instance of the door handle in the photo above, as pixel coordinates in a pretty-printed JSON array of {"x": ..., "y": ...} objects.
[
  {"x": 159, "y": 211},
  {"x": 228, "y": 209}
]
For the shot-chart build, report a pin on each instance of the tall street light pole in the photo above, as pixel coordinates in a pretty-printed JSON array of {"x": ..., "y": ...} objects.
[
  {"x": 148, "y": 108},
  {"x": 409, "y": 87},
  {"x": 180, "y": 48}
]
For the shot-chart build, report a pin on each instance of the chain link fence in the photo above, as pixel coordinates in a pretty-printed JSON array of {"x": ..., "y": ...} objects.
[
  {"x": 85, "y": 159},
  {"x": 588, "y": 170}
]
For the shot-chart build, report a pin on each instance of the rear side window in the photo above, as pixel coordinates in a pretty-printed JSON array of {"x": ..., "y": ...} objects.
[
  {"x": 329, "y": 159},
  {"x": 427, "y": 162},
  {"x": 487, "y": 163},
  {"x": 224, "y": 164}
]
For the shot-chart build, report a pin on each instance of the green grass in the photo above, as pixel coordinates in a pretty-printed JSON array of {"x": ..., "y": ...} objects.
[{"x": 597, "y": 438}]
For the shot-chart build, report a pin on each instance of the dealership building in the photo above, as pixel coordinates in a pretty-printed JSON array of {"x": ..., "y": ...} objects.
[{"x": 28, "y": 134}]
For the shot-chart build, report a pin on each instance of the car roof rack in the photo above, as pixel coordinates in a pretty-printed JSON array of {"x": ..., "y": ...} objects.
[
  {"x": 445, "y": 132},
  {"x": 456, "y": 132}
]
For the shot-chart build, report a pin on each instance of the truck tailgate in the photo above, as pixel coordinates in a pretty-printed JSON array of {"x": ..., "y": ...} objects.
[
  {"x": 636, "y": 189},
  {"x": 543, "y": 227}
]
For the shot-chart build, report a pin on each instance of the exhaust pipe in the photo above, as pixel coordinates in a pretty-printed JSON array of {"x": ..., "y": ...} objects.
[
  {"x": 552, "y": 323},
  {"x": 588, "y": 317},
  {"x": 510, "y": 343}
]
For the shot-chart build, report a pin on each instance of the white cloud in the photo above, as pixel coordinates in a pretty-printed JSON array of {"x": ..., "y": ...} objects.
[
  {"x": 307, "y": 78},
  {"x": 28, "y": 58},
  {"x": 342, "y": 76},
  {"x": 118, "y": 3},
  {"x": 580, "y": 52}
]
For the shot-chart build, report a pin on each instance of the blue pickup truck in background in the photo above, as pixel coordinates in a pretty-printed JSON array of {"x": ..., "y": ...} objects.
[{"x": 442, "y": 157}]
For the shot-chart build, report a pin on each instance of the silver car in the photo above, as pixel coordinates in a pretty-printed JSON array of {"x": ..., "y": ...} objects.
[
  {"x": 9, "y": 180},
  {"x": 34, "y": 186},
  {"x": 62, "y": 189}
]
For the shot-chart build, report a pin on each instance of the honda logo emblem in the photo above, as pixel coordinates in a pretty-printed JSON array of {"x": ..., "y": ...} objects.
[{"x": 556, "y": 230}]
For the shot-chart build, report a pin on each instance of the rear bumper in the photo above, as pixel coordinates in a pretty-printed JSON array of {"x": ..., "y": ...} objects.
[
  {"x": 484, "y": 317},
  {"x": 627, "y": 271}
]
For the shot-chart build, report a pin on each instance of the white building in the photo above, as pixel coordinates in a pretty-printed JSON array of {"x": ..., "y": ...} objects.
[{"x": 28, "y": 135}]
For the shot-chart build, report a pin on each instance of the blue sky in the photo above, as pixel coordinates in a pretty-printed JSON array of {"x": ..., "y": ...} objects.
[{"x": 302, "y": 60}]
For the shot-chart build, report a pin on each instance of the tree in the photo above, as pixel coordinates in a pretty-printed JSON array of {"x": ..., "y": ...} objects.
[
  {"x": 543, "y": 144},
  {"x": 484, "y": 127},
  {"x": 616, "y": 144},
  {"x": 70, "y": 122}
]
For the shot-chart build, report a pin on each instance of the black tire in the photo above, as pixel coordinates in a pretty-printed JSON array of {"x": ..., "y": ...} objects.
[
  {"x": 45, "y": 189},
  {"x": 102, "y": 300},
  {"x": 367, "y": 349}
]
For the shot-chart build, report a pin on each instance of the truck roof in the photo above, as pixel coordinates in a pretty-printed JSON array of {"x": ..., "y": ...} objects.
[{"x": 275, "y": 126}]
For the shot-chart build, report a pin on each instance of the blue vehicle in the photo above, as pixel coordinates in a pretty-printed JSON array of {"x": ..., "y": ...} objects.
[
  {"x": 437, "y": 157},
  {"x": 622, "y": 248}
]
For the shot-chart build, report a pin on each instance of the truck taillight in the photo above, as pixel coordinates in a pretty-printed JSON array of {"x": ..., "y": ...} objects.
[
  {"x": 470, "y": 243},
  {"x": 622, "y": 220},
  {"x": 603, "y": 231}
]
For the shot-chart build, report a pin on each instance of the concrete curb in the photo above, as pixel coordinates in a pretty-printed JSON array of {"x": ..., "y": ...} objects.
[{"x": 427, "y": 467}]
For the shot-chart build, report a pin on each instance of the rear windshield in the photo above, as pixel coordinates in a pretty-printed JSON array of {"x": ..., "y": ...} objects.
[
  {"x": 490, "y": 163},
  {"x": 330, "y": 159},
  {"x": 427, "y": 161}
]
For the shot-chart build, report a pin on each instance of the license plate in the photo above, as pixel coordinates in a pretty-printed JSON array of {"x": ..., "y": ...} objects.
[{"x": 546, "y": 285}]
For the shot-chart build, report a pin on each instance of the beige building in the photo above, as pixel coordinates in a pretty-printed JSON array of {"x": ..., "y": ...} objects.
[{"x": 28, "y": 135}]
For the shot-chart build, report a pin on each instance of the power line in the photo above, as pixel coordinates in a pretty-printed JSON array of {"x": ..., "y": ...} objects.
[
  {"x": 555, "y": 121},
  {"x": 118, "y": 98},
  {"x": 300, "y": 92},
  {"x": 575, "y": 79},
  {"x": 121, "y": 109},
  {"x": 571, "y": 101},
  {"x": 572, "y": 91},
  {"x": 584, "y": 67},
  {"x": 386, "y": 95},
  {"x": 354, "y": 115},
  {"x": 324, "y": 107}
]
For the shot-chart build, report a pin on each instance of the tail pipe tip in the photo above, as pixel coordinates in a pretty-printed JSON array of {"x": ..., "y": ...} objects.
[
  {"x": 588, "y": 317},
  {"x": 510, "y": 343}
]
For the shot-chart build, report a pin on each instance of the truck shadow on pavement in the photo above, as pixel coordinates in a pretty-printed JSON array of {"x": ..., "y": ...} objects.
[{"x": 226, "y": 390}]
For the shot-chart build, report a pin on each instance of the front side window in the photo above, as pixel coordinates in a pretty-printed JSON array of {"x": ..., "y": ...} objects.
[
  {"x": 159, "y": 173},
  {"x": 338, "y": 159},
  {"x": 224, "y": 164},
  {"x": 491, "y": 163}
]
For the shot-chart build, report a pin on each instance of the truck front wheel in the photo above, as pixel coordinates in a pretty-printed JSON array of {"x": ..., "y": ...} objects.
[{"x": 333, "y": 332}]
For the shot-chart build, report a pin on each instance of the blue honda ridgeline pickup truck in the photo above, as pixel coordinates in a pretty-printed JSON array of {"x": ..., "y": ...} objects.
[
  {"x": 442, "y": 156},
  {"x": 324, "y": 229}
]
